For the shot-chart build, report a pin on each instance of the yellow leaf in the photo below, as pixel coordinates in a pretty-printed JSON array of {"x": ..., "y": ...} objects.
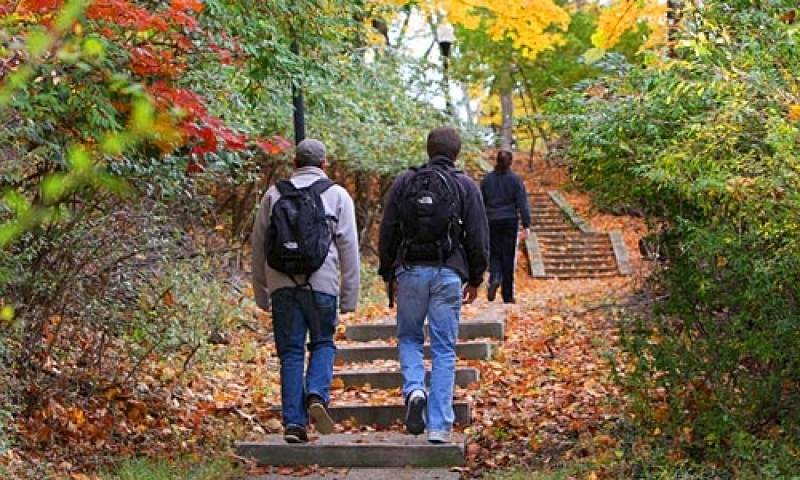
[
  {"x": 337, "y": 384},
  {"x": 794, "y": 112}
]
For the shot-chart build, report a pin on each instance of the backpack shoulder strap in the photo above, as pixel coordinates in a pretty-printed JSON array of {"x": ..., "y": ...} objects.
[
  {"x": 317, "y": 188},
  {"x": 320, "y": 186},
  {"x": 454, "y": 182},
  {"x": 285, "y": 187}
]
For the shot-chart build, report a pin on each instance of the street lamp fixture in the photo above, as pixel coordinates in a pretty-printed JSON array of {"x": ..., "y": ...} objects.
[{"x": 446, "y": 35}]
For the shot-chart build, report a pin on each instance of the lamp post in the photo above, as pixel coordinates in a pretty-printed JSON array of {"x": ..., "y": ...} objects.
[
  {"x": 445, "y": 35},
  {"x": 298, "y": 104}
]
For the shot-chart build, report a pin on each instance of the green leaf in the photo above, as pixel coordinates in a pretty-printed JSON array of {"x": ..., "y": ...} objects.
[
  {"x": 39, "y": 42},
  {"x": 53, "y": 187},
  {"x": 93, "y": 47},
  {"x": 16, "y": 202},
  {"x": 6, "y": 313},
  {"x": 114, "y": 143},
  {"x": 142, "y": 116},
  {"x": 593, "y": 55},
  {"x": 81, "y": 160}
]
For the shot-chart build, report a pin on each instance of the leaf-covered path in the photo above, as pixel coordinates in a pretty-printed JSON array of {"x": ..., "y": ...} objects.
[
  {"x": 545, "y": 397},
  {"x": 547, "y": 394}
]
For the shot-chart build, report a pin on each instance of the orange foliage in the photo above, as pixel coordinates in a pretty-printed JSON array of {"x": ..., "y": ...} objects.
[{"x": 159, "y": 44}]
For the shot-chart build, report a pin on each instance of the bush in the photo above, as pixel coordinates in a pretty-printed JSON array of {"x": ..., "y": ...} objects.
[{"x": 709, "y": 153}]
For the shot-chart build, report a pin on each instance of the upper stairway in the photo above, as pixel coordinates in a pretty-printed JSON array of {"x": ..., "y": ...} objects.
[{"x": 564, "y": 246}]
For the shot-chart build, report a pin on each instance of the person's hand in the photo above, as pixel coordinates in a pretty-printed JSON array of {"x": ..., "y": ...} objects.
[
  {"x": 391, "y": 292},
  {"x": 470, "y": 294},
  {"x": 524, "y": 234},
  {"x": 265, "y": 306}
]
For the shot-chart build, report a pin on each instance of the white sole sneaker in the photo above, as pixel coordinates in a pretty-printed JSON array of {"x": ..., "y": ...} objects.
[
  {"x": 322, "y": 421},
  {"x": 439, "y": 437}
]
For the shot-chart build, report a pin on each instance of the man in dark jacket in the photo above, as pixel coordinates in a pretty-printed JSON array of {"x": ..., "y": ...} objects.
[
  {"x": 507, "y": 209},
  {"x": 434, "y": 288}
]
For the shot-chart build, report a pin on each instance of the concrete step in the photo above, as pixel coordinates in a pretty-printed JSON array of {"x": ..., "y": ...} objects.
[
  {"x": 356, "y": 450},
  {"x": 467, "y": 330},
  {"x": 384, "y": 415},
  {"x": 385, "y": 379},
  {"x": 368, "y": 352},
  {"x": 552, "y": 228},
  {"x": 565, "y": 270},
  {"x": 579, "y": 275},
  {"x": 366, "y": 474},
  {"x": 571, "y": 238},
  {"x": 573, "y": 251},
  {"x": 562, "y": 247},
  {"x": 582, "y": 260},
  {"x": 387, "y": 415}
]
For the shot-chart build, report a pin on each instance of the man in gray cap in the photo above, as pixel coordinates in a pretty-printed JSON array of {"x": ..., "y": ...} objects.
[{"x": 301, "y": 312}]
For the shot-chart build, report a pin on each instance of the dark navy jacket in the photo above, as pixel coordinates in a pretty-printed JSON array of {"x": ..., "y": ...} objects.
[
  {"x": 470, "y": 261},
  {"x": 505, "y": 197}
]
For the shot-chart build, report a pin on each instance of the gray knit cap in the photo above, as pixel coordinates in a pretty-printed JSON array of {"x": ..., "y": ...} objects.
[{"x": 310, "y": 153}]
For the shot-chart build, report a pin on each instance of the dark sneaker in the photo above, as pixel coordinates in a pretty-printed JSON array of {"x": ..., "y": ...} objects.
[
  {"x": 491, "y": 293},
  {"x": 415, "y": 412},
  {"x": 295, "y": 434},
  {"x": 319, "y": 414}
]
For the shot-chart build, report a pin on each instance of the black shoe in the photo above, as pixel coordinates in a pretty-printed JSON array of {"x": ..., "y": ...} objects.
[
  {"x": 415, "y": 412},
  {"x": 319, "y": 414},
  {"x": 295, "y": 434},
  {"x": 510, "y": 301},
  {"x": 491, "y": 294}
]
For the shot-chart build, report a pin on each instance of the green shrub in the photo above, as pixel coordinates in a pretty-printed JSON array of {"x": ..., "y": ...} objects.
[{"x": 708, "y": 152}]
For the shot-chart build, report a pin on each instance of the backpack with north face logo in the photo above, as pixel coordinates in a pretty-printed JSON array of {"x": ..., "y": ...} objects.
[
  {"x": 429, "y": 214},
  {"x": 299, "y": 234}
]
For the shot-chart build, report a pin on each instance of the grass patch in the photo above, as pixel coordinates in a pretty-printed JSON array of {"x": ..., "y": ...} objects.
[{"x": 186, "y": 468}]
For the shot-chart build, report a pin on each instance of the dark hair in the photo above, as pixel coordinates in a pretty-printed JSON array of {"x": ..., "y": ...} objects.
[
  {"x": 444, "y": 141},
  {"x": 503, "y": 160}
]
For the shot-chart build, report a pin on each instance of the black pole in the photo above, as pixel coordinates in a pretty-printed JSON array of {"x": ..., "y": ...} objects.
[
  {"x": 444, "y": 50},
  {"x": 297, "y": 102}
]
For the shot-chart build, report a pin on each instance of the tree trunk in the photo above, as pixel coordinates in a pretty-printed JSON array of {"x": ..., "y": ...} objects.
[{"x": 507, "y": 125}]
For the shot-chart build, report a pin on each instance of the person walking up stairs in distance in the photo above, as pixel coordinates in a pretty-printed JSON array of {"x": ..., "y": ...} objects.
[{"x": 507, "y": 208}]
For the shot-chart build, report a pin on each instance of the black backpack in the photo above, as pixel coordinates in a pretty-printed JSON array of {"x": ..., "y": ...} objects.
[
  {"x": 299, "y": 233},
  {"x": 429, "y": 213}
]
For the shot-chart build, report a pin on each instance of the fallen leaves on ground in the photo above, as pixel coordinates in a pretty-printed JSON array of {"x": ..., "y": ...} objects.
[{"x": 546, "y": 395}]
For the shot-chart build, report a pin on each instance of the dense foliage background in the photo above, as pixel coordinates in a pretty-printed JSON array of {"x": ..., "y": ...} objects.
[{"x": 704, "y": 142}]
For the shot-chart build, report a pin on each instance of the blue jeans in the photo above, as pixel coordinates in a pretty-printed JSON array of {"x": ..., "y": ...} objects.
[
  {"x": 297, "y": 315},
  {"x": 436, "y": 293}
]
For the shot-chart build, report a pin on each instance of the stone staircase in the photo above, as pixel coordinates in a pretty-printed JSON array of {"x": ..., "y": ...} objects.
[
  {"x": 563, "y": 246},
  {"x": 375, "y": 447},
  {"x": 378, "y": 447}
]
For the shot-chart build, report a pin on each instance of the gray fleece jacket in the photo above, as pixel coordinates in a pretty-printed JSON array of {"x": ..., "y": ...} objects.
[{"x": 343, "y": 255}]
